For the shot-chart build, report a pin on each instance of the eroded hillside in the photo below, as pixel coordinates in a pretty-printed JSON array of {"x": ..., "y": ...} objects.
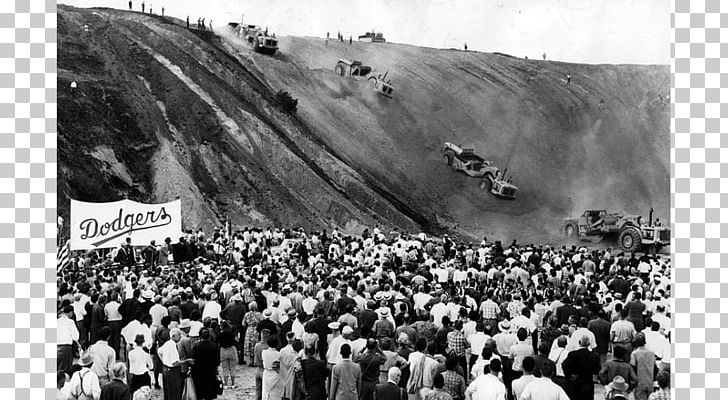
[{"x": 161, "y": 113}]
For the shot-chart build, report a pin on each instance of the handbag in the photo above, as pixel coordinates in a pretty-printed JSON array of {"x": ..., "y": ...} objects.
[{"x": 189, "y": 392}]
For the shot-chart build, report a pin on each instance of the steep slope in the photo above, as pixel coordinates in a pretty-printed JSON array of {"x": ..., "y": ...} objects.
[
  {"x": 601, "y": 142},
  {"x": 161, "y": 113}
]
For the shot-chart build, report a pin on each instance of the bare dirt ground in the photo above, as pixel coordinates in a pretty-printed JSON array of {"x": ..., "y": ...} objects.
[{"x": 244, "y": 386}]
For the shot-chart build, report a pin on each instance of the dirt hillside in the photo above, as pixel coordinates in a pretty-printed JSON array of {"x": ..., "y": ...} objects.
[{"x": 161, "y": 113}]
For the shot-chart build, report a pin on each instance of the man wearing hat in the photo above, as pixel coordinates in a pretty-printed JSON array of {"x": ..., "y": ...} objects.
[
  {"x": 333, "y": 356},
  {"x": 184, "y": 344},
  {"x": 504, "y": 339},
  {"x": 140, "y": 363},
  {"x": 383, "y": 327},
  {"x": 268, "y": 323},
  {"x": 288, "y": 358},
  {"x": 290, "y": 319},
  {"x": 84, "y": 384},
  {"x": 617, "y": 389}
]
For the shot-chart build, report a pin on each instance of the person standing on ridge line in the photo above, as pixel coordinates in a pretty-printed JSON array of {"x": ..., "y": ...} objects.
[
  {"x": 568, "y": 78},
  {"x": 163, "y": 11},
  {"x": 349, "y": 39},
  {"x": 188, "y": 22},
  {"x": 142, "y": 6},
  {"x": 544, "y": 56},
  {"x": 466, "y": 46},
  {"x": 130, "y": 5}
]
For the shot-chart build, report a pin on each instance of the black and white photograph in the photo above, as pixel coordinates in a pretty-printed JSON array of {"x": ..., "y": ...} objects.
[{"x": 391, "y": 199}]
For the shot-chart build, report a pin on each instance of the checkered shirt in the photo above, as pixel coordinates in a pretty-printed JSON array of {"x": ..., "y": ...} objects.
[
  {"x": 454, "y": 384},
  {"x": 456, "y": 343},
  {"x": 489, "y": 309}
]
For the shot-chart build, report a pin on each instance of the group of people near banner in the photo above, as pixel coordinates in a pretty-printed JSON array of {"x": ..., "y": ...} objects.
[{"x": 324, "y": 315}]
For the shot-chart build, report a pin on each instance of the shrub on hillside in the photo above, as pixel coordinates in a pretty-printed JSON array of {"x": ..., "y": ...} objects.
[{"x": 288, "y": 103}]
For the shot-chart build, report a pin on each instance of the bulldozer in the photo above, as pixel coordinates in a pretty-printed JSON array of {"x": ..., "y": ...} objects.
[
  {"x": 351, "y": 68},
  {"x": 382, "y": 85},
  {"x": 630, "y": 230},
  {"x": 471, "y": 164},
  {"x": 357, "y": 69}
]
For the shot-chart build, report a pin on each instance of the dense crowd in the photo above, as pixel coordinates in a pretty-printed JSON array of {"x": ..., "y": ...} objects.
[{"x": 373, "y": 316}]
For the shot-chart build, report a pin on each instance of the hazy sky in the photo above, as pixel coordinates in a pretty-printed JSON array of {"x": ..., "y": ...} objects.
[{"x": 588, "y": 31}]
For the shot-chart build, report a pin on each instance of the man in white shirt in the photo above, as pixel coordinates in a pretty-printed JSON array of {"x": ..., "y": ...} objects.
[
  {"x": 477, "y": 341},
  {"x": 84, "y": 384},
  {"x": 79, "y": 311},
  {"x": 113, "y": 316},
  {"x": 658, "y": 344},
  {"x": 135, "y": 327},
  {"x": 519, "y": 385},
  {"x": 543, "y": 388},
  {"x": 140, "y": 363},
  {"x": 487, "y": 386},
  {"x": 103, "y": 356},
  {"x": 212, "y": 308},
  {"x": 157, "y": 311},
  {"x": 420, "y": 299},
  {"x": 173, "y": 381},
  {"x": 66, "y": 335},
  {"x": 439, "y": 310}
]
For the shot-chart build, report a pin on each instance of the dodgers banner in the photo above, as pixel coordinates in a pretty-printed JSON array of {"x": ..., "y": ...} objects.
[{"x": 101, "y": 225}]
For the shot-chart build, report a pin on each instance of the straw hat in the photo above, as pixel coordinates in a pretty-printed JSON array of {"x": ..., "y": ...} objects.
[{"x": 619, "y": 384}]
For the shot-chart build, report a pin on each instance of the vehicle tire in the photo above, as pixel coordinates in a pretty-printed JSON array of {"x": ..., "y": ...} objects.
[
  {"x": 339, "y": 70},
  {"x": 570, "y": 230},
  {"x": 448, "y": 159},
  {"x": 486, "y": 184},
  {"x": 630, "y": 239}
]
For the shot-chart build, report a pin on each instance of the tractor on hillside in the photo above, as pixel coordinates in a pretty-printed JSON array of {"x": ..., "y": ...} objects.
[
  {"x": 466, "y": 161},
  {"x": 351, "y": 68},
  {"x": 358, "y": 70},
  {"x": 631, "y": 233},
  {"x": 382, "y": 85},
  {"x": 258, "y": 37}
]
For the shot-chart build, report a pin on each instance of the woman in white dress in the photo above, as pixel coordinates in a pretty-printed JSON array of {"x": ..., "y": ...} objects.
[{"x": 272, "y": 385}]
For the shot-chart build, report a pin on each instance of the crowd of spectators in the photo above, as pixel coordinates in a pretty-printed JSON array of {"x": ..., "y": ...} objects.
[{"x": 327, "y": 315}]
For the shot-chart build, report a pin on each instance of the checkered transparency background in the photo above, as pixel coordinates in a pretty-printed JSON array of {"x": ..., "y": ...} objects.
[
  {"x": 28, "y": 198},
  {"x": 699, "y": 223}
]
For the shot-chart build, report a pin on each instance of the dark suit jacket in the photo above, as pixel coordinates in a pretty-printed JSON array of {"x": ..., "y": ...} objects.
[
  {"x": 389, "y": 391},
  {"x": 582, "y": 364}
]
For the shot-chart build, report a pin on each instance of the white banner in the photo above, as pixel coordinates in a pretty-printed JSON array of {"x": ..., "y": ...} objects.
[{"x": 101, "y": 225}]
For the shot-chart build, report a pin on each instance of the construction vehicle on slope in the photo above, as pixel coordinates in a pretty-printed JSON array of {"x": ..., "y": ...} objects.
[
  {"x": 631, "y": 233},
  {"x": 471, "y": 164},
  {"x": 355, "y": 69},
  {"x": 258, "y": 38}
]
